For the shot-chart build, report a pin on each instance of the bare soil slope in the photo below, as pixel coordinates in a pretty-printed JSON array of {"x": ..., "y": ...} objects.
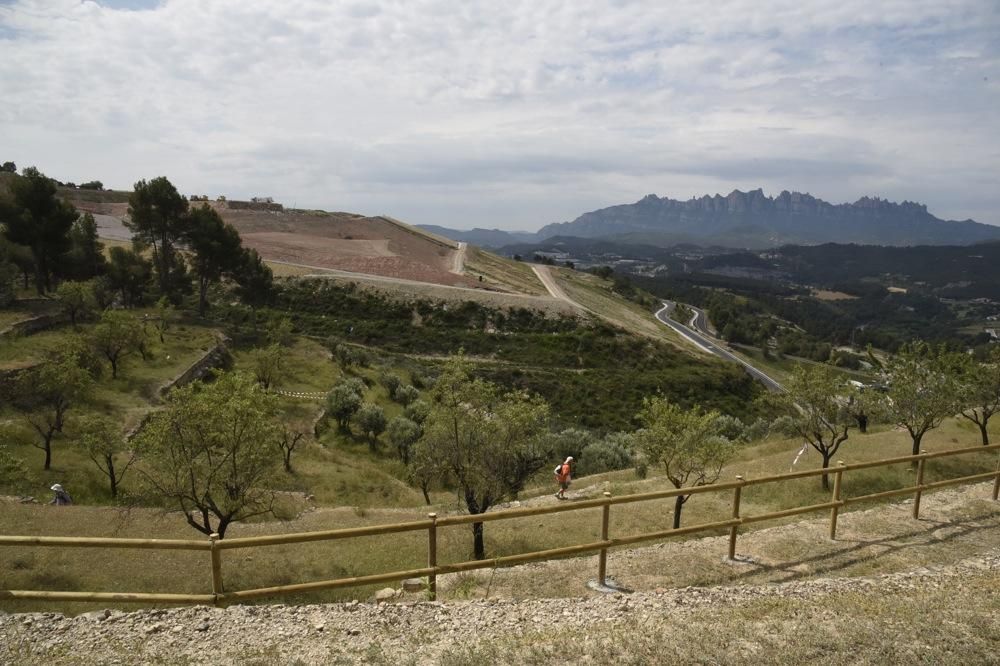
[{"x": 318, "y": 239}]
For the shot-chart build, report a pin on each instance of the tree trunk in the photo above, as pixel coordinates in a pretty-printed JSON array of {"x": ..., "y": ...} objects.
[
  {"x": 48, "y": 453},
  {"x": 111, "y": 475},
  {"x": 288, "y": 460},
  {"x": 114, "y": 368},
  {"x": 427, "y": 497},
  {"x": 984, "y": 432},
  {"x": 479, "y": 549},
  {"x": 202, "y": 297},
  {"x": 826, "y": 465},
  {"x": 862, "y": 423},
  {"x": 916, "y": 447},
  {"x": 678, "y": 505}
]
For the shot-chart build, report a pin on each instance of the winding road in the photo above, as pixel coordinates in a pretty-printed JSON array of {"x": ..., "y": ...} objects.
[{"x": 696, "y": 332}]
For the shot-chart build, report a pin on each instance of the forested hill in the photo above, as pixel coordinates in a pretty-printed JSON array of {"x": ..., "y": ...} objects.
[
  {"x": 952, "y": 271},
  {"x": 754, "y": 220}
]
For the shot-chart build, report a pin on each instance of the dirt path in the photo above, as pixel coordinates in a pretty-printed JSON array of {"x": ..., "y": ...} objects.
[
  {"x": 459, "y": 267},
  {"x": 550, "y": 284}
]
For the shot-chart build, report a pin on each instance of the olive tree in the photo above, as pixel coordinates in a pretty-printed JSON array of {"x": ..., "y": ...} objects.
[
  {"x": 815, "y": 407},
  {"x": 342, "y": 403},
  {"x": 489, "y": 443},
  {"x": 371, "y": 420},
  {"x": 403, "y": 433},
  {"x": 211, "y": 452},
  {"x": 684, "y": 442}
]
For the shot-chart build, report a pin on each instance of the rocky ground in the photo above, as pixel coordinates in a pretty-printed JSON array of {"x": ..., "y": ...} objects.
[{"x": 933, "y": 609}]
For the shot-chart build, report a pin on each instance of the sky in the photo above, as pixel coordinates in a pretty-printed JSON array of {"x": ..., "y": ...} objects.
[{"x": 509, "y": 114}]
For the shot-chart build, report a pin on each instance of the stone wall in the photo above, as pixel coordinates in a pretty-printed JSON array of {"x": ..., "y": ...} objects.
[
  {"x": 216, "y": 357},
  {"x": 33, "y": 325}
]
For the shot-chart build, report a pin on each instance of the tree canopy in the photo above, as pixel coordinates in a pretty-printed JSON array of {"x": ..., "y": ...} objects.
[
  {"x": 816, "y": 407},
  {"x": 40, "y": 220},
  {"x": 684, "y": 442},
  {"x": 212, "y": 452}
]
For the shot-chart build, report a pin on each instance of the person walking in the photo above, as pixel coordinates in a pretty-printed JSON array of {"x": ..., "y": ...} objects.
[
  {"x": 62, "y": 497},
  {"x": 564, "y": 473}
]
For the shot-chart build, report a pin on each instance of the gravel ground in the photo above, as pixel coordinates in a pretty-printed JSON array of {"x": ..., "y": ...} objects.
[{"x": 420, "y": 632}]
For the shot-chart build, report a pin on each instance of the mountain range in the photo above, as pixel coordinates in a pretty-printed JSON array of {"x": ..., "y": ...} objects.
[{"x": 751, "y": 220}]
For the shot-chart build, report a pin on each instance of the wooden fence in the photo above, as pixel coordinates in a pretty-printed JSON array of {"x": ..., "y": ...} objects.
[{"x": 215, "y": 547}]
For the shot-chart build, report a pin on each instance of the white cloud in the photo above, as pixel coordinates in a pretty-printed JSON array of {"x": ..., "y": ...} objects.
[{"x": 511, "y": 114}]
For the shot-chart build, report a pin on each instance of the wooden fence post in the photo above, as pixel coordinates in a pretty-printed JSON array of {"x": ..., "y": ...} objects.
[
  {"x": 602, "y": 558},
  {"x": 737, "y": 492},
  {"x": 217, "y": 587},
  {"x": 919, "y": 484},
  {"x": 996, "y": 481},
  {"x": 838, "y": 474},
  {"x": 432, "y": 557}
]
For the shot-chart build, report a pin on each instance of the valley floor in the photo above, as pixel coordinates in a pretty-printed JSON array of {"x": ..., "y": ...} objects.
[{"x": 889, "y": 590}]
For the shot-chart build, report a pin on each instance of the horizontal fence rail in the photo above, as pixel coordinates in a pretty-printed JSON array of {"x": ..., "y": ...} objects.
[{"x": 216, "y": 546}]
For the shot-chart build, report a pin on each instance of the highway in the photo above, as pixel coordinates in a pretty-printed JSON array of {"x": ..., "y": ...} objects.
[{"x": 696, "y": 332}]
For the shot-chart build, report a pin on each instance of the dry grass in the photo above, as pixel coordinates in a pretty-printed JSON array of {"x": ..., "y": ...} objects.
[
  {"x": 595, "y": 294},
  {"x": 504, "y": 273}
]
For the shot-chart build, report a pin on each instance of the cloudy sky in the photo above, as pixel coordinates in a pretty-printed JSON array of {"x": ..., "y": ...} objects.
[{"x": 509, "y": 114}]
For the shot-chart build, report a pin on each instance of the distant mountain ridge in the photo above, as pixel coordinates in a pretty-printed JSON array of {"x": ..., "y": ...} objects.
[
  {"x": 752, "y": 219},
  {"x": 481, "y": 237}
]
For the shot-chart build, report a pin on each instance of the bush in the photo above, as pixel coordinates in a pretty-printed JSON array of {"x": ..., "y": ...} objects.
[
  {"x": 405, "y": 395},
  {"x": 611, "y": 453}
]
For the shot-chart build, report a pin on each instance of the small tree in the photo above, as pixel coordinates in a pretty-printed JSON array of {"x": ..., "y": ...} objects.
[
  {"x": 979, "y": 389},
  {"x": 816, "y": 407},
  {"x": 405, "y": 395},
  {"x": 47, "y": 392},
  {"x": 371, "y": 420},
  {"x": 164, "y": 314},
  {"x": 922, "y": 390},
  {"x": 102, "y": 440},
  {"x": 77, "y": 300},
  {"x": 341, "y": 404},
  {"x": 488, "y": 442},
  {"x": 118, "y": 335},
  {"x": 390, "y": 381},
  {"x": 210, "y": 453},
  {"x": 403, "y": 433},
  {"x": 268, "y": 365},
  {"x": 685, "y": 443},
  {"x": 417, "y": 411},
  {"x": 290, "y": 438}
]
